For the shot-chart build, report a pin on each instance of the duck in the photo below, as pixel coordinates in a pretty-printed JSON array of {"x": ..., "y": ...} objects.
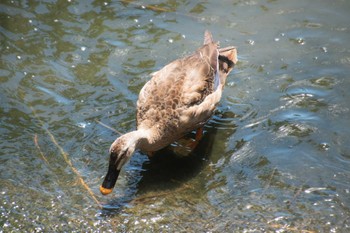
[{"x": 178, "y": 99}]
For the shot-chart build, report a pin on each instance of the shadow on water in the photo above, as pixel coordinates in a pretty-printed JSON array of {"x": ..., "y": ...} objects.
[
  {"x": 164, "y": 173},
  {"x": 170, "y": 168}
]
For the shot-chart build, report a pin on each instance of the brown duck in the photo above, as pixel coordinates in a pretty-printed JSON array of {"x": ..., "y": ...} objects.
[{"x": 178, "y": 99}]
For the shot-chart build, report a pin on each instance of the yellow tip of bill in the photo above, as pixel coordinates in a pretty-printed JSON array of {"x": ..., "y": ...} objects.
[{"x": 105, "y": 191}]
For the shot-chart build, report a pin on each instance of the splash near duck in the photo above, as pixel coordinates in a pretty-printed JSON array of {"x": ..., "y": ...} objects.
[{"x": 178, "y": 99}]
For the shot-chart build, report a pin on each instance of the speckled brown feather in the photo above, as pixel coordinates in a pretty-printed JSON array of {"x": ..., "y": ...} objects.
[{"x": 180, "y": 97}]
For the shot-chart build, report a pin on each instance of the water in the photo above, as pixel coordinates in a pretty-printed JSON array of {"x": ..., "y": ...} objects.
[{"x": 275, "y": 157}]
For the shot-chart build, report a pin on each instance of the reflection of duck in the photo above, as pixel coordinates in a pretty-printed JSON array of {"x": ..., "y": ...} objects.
[{"x": 179, "y": 98}]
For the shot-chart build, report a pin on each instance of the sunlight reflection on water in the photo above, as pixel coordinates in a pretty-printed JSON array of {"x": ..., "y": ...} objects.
[{"x": 275, "y": 156}]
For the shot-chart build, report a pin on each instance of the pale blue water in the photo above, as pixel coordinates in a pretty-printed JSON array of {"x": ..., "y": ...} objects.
[{"x": 275, "y": 157}]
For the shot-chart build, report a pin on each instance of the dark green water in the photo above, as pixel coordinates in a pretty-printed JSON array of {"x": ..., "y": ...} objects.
[{"x": 275, "y": 157}]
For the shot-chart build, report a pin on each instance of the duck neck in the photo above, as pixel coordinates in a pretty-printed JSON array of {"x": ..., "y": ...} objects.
[{"x": 137, "y": 138}]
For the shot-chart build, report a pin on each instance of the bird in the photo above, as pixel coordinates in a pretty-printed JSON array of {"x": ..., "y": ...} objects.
[{"x": 178, "y": 99}]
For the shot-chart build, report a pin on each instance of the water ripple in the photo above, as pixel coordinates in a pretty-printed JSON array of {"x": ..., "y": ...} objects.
[{"x": 274, "y": 158}]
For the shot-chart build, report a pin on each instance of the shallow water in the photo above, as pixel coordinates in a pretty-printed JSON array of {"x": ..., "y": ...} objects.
[{"x": 275, "y": 157}]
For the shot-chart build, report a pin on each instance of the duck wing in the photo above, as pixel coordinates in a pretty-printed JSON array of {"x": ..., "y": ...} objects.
[{"x": 181, "y": 85}]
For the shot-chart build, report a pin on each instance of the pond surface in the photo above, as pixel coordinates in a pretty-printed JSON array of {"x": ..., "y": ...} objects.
[{"x": 274, "y": 157}]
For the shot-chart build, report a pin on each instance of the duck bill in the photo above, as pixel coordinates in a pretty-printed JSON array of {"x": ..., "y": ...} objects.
[{"x": 110, "y": 179}]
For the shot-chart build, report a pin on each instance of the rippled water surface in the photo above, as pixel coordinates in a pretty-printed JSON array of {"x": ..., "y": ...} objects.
[{"x": 274, "y": 157}]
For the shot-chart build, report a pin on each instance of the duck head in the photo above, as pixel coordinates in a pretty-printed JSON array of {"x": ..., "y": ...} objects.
[{"x": 120, "y": 152}]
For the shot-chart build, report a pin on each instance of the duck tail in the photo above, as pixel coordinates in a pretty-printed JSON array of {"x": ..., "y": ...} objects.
[
  {"x": 228, "y": 54},
  {"x": 208, "y": 38}
]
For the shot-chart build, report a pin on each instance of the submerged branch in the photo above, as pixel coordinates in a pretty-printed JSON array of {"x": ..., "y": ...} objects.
[
  {"x": 39, "y": 149},
  {"x": 108, "y": 127},
  {"x": 67, "y": 160}
]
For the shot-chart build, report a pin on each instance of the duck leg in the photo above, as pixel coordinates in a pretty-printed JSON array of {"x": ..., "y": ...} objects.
[
  {"x": 199, "y": 134},
  {"x": 198, "y": 137}
]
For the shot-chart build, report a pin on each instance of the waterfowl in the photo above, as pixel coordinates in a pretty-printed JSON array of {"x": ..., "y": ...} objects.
[{"x": 178, "y": 99}]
